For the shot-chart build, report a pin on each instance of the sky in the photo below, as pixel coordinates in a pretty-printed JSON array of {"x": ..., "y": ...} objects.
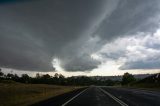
[{"x": 80, "y": 37}]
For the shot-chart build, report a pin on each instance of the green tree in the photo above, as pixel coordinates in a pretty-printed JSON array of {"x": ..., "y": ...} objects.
[{"x": 127, "y": 78}]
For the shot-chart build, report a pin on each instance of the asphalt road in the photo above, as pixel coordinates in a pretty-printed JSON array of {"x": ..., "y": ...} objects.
[
  {"x": 135, "y": 97},
  {"x": 105, "y": 96}
]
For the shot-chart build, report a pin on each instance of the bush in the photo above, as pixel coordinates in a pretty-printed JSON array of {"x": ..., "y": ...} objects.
[{"x": 127, "y": 79}]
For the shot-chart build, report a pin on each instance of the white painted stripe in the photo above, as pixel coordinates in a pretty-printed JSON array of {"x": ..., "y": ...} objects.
[
  {"x": 113, "y": 97},
  {"x": 73, "y": 97}
]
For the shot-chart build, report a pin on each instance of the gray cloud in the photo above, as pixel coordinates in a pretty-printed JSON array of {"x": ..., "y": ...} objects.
[
  {"x": 138, "y": 51},
  {"x": 145, "y": 55},
  {"x": 128, "y": 18},
  {"x": 153, "y": 64},
  {"x": 80, "y": 63},
  {"x": 33, "y": 33}
]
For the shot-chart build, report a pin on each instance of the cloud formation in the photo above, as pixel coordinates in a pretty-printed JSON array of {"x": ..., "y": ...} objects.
[
  {"x": 145, "y": 54},
  {"x": 139, "y": 51},
  {"x": 33, "y": 33}
]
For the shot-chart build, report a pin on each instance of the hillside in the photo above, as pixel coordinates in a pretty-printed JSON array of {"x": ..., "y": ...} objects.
[{"x": 152, "y": 81}]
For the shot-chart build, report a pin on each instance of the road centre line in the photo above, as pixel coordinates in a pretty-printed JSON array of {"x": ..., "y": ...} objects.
[{"x": 113, "y": 97}]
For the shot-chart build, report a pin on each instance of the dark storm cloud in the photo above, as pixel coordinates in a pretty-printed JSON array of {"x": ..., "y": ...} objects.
[
  {"x": 129, "y": 17},
  {"x": 113, "y": 55},
  {"x": 2, "y": 2},
  {"x": 80, "y": 63},
  {"x": 32, "y": 33},
  {"x": 150, "y": 64},
  {"x": 151, "y": 61},
  {"x": 8, "y": 1}
]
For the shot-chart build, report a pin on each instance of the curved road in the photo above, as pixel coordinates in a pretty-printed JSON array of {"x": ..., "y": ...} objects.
[{"x": 105, "y": 96}]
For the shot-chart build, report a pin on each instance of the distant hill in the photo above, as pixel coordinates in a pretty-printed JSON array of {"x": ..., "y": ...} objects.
[
  {"x": 152, "y": 81},
  {"x": 118, "y": 77},
  {"x": 141, "y": 76}
]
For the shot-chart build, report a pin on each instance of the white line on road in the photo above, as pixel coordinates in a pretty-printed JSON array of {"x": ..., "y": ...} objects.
[
  {"x": 73, "y": 97},
  {"x": 113, "y": 97}
]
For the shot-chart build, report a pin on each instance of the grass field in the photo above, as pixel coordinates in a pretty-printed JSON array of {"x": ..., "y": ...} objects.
[{"x": 17, "y": 94}]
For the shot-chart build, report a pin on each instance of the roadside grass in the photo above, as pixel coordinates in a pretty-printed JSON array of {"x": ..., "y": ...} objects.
[
  {"x": 143, "y": 86},
  {"x": 17, "y": 94},
  {"x": 149, "y": 83},
  {"x": 147, "y": 86}
]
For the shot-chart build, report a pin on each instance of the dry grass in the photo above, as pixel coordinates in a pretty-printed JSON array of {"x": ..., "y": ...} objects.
[{"x": 16, "y": 94}]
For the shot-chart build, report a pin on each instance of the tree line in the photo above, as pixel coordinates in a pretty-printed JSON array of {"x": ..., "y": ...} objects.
[{"x": 59, "y": 79}]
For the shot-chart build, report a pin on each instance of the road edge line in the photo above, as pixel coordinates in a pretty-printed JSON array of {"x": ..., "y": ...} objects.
[
  {"x": 114, "y": 98},
  {"x": 64, "y": 104}
]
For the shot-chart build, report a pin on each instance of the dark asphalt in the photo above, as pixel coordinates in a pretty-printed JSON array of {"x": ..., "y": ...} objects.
[
  {"x": 135, "y": 97},
  {"x": 105, "y": 96},
  {"x": 93, "y": 96}
]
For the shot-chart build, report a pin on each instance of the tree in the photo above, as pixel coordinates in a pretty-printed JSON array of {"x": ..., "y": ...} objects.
[
  {"x": 56, "y": 75},
  {"x": 61, "y": 76},
  {"x": 46, "y": 76},
  {"x": 25, "y": 78},
  {"x": 1, "y": 73},
  {"x": 109, "y": 82},
  {"x": 61, "y": 79},
  {"x": 127, "y": 78},
  {"x": 15, "y": 77},
  {"x": 10, "y": 76},
  {"x": 38, "y": 76}
]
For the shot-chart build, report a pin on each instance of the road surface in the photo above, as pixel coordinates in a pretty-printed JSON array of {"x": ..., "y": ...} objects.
[{"x": 105, "y": 96}]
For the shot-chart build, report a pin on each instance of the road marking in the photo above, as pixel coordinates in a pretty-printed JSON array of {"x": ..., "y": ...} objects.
[
  {"x": 74, "y": 97},
  {"x": 113, "y": 97}
]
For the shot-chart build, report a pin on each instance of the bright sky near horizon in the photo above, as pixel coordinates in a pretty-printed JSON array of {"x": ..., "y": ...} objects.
[{"x": 82, "y": 37}]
